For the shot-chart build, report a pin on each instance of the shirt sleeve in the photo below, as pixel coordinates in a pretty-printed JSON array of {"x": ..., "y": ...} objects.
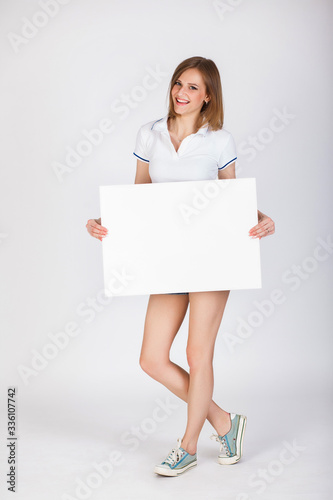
[
  {"x": 140, "y": 150},
  {"x": 228, "y": 154}
]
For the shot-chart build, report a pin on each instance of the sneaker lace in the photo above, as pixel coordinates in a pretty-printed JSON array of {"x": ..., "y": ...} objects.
[
  {"x": 223, "y": 443},
  {"x": 175, "y": 455}
]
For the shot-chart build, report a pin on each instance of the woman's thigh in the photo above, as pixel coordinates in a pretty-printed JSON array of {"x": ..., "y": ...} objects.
[
  {"x": 205, "y": 316},
  {"x": 164, "y": 316}
]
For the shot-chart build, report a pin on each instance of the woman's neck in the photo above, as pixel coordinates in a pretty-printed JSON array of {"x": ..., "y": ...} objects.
[{"x": 181, "y": 126}]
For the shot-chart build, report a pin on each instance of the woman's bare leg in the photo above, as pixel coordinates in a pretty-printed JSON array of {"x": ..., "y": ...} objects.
[
  {"x": 206, "y": 311},
  {"x": 165, "y": 314}
]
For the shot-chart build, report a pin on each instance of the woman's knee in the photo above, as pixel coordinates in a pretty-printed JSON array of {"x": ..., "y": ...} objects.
[
  {"x": 151, "y": 365},
  {"x": 198, "y": 357}
]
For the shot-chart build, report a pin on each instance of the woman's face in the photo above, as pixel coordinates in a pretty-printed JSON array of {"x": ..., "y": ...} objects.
[{"x": 191, "y": 91}]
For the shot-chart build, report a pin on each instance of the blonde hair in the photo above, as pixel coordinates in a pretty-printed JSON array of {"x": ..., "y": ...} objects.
[{"x": 211, "y": 113}]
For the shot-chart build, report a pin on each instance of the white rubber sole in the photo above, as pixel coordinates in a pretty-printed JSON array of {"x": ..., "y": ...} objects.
[
  {"x": 239, "y": 445},
  {"x": 163, "y": 471}
]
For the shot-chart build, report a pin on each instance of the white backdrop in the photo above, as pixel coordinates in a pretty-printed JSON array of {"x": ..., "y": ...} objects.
[{"x": 71, "y": 67}]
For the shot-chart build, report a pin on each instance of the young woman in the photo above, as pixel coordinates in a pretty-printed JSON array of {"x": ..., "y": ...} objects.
[{"x": 189, "y": 143}]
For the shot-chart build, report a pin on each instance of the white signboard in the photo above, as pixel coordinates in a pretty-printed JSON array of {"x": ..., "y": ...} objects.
[{"x": 186, "y": 236}]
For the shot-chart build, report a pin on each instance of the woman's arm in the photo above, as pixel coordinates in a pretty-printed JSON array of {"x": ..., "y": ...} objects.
[
  {"x": 228, "y": 172},
  {"x": 94, "y": 226},
  {"x": 265, "y": 224},
  {"x": 142, "y": 173}
]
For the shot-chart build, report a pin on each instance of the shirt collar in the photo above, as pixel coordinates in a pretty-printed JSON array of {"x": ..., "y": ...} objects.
[{"x": 162, "y": 126}]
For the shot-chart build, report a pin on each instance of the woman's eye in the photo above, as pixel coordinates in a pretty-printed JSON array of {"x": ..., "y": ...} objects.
[{"x": 191, "y": 87}]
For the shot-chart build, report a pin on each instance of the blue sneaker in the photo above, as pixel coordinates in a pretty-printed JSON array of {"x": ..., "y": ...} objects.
[
  {"x": 177, "y": 462},
  {"x": 231, "y": 443}
]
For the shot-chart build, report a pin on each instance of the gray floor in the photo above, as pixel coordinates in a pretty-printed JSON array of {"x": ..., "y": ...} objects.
[{"x": 286, "y": 451}]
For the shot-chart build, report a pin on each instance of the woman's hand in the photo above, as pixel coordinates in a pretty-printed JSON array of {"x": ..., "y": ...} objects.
[
  {"x": 95, "y": 229},
  {"x": 264, "y": 227}
]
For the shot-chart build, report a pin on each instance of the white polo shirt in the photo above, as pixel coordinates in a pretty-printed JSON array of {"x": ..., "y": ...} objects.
[{"x": 199, "y": 156}]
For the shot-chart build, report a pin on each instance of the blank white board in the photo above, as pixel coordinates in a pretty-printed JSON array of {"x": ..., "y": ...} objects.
[{"x": 186, "y": 236}]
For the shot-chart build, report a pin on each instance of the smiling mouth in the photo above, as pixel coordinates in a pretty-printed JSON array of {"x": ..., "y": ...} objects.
[{"x": 181, "y": 102}]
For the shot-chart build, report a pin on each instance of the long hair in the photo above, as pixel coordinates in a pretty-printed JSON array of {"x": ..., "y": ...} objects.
[{"x": 211, "y": 113}]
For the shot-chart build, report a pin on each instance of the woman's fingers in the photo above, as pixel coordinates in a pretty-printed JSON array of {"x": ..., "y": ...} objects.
[
  {"x": 264, "y": 228},
  {"x": 96, "y": 230}
]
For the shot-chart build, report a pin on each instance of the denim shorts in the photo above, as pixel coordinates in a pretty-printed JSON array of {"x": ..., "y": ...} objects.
[{"x": 178, "y": 293}]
